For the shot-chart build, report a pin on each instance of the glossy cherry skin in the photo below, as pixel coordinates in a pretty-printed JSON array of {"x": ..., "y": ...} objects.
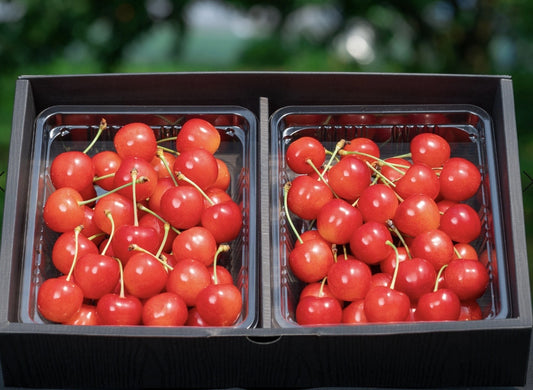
[
  {"x": 144, "y": 276},
  {"x": 182, "y": 206},
  {"x": 415, "y": 277},
  {"x": 461, "y": 222},
  {"x": 164, "y": 309},
  {"x": 306, "y": 196},
  {"x": 127, "y": 235},
  {"x": 354, "y": 313},
  {"x": 312, "y": 310},
  {"x": 416, "y": 214},
  {"x": 199, "y": 166},
  {"x": 369, "y": 242},
  {"x": 87, "y": 315},
  {"x": 470, "y": 311},
  {"x": 58, "y": 299},
  {"x": 163, "y": 184},
  {"x": 363, "y": 145},
  {"x": 106, "y": 163},
  {"x": 336, "y": 221},
  {"x": 135, "y": 139},
  {"x": 468, "y": 278},
  {"x": 195, "y": 243},
  {"x": 378, "y": 203},
  {"x": 349, "y": 280},
  {"x": 440, "y": 305},
  {"x": 303, "y": 149},
  {"x": 62, "y": 211},
  {"x": 144, "y": 169},
  {"x": 383, "y": 304},
  {"x": 96, "y": 274},
  {"x": 434, "y": 246},
  {"x": 152, "y": 222},
  {"x": 465, "y": 251},
  {"x": 119, "y": 311},
  {"x": 223, "y": 220},
  {"x": 388, "y": 264},
  {"x": 64, "y": 250},
  {"x": 317, "y": 289},
  {"x": 198, "y": 133},
  {"x": 395, "y": 173},
  {"x": 223, "y": 180},
  {"x": 195, "y": 319},
  {"x": 418, "y": 179},
  {"x": 430, "y": 149},
  {"x": 459, "y": 179},
  {"x": 187, "y": 279},
  {"x": 158, "y": 163},
  {"x": 121, "y": 209},
  {"x": 219, "y": 304},
  {"x": 349, "y": 177},
  {"x": 72, "y": 169},
  {"x": 310, "y": 261}
]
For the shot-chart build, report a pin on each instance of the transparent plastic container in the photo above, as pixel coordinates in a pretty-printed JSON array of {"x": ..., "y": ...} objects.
[
  {"x": 61, "y": 128},
  {"x": 467, "y": 128}
]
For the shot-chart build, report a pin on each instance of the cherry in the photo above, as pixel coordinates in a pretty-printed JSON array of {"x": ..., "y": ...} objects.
[
  {"x": 135, "y": 140},
  {"x": 418, "y": 179},
  {"x": 369, "y": 242},
  {"x": 381, "y": 279},
  {"x": 194, "y": 318},
  {"x": 120, "y": 207},
  {"x": 223, "y": 220},
  {"x": 214, "y": 196},
  {"x": 384, "y": 304},
  {"x": 59, "y": 299},
  {"x": 309, "y": 235},
  {"x": 144, "y": 275},
  {"x": 377, "y": 203},
  {"x": 416, "y": 214},
  {"x": 90, "y": 230},
  {"x": 465, "y": 251},
  {"x": 197, "y": 165},
  {"x": 323, "y": 310},
  {"x": 198, "y": 133},
  {"x": 163, "y": 184},
  {"x": 349, "y": 177},
  {"x": 187, "y": 278},
  {"x": 434, "y": 246},
  {"x": 349, "y": 280},
  {"x": 63, "y": 210},
  {"x": 165, "y": 309},
  {"x": 306, "y": 196},
  {"x": 461, "y": 222},
  {"x": 394, "y": 168},
  {"x": 336, "y": 221},
  {"x": 106, "y": 163},
  {"x": 354, "y": 313},
  {"x": 223, "y": 180},
  {"x": 163, "y": 163},
  {"x": 64, "y": 250},
  {"x": 365, "y": 149},
  {"x": 119, "y": 310},
  {"x": 468, "y": 278},
  {"x": 470, "y": 311},
  {"x": 416, "y": 277},
  {"x": 126, "y": 235},
  {"x": 195, "y": 243},
  {"x": 440, "y": 305},
  {"x": 182, "y": 206},
  {"x": 130, "y": 169},
  {"x": 96, "y": 274},
  {"x": 219, "y": 274},
  {"x": 150, "y": 221},
  {"x": 429, "y": 148},
  {"x": 317, "y": 289},
  {"x": 72, "y": 169},
  {"x": 87, "y": 315},
  {"x": 310, "y": 261},
  {"x": 304, "y": 153},
  {"x": 459, "y": 179},
  {"x": 388, "y": 264}
]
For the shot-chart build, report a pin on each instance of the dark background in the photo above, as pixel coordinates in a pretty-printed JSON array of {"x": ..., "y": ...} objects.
[{"x": 441, "y": 36}]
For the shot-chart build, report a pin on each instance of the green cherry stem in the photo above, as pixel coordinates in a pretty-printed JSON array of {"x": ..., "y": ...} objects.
[
  {"x": 181, "y": 176},
  {"x": 161, "y": 156},
  {"x": 166, "y": 228},
  {"x": 394, "y": 229},
  {"x": 133, "y": 174},
  {"x": 338, "y": 147},
  {"x": 321, "y": 176},
  {"x": 141, "y": 179},
  {"x": 457, "y": 253},
  {"x": 162, "y": 140},
  {"x": 441, "y": 270},
  {"x": 101, "y": 128},
  {"x": 77, "y": 231},
  {"x": 135, "y": 247},
  {"x": 321, "y": 290},
  {"x": 142, "y": 207},
  {"x": 221, "y": 248},
  {"x": 110, "y": 217},
  {"x": 286, "y": 188},
  {"x": 121, "y": 269},
  {"x": 395, "y": 273}
]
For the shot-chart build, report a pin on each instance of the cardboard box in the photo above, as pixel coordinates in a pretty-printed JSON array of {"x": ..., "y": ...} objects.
[{"x": 492, "y": 352}]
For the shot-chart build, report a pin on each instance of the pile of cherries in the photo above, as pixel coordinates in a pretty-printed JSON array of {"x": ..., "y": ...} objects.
[
  {"x": 140, "y": 229},
  {"x": 384, "y": 239}
]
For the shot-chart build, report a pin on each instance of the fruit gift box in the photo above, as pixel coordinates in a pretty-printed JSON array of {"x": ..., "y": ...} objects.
[{"x": 262, "y": 121}]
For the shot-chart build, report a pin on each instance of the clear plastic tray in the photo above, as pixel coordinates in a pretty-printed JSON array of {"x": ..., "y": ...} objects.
[
  {"x": 62, "y": 128},
  {"x": 467, "y": 128}
]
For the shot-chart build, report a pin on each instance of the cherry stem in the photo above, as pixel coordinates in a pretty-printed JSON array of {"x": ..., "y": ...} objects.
[
  {"x": 166, "y": 139},
  {"x": 142, "y": 207},
  {"x": 350, "y": 152},
  {"x": 380, "y": 175},
  {"x": 121, "y": 270},
  {"x": 221, "y": 248},
  {"x": 96, "y": 178},
  {"x": 133, "y": 174},
  {"x": 395, "y": 273},
  {"x": 393, "y": 227},
  {"x": 96, "y": 236},
  {"x": 168, "y": 150},
  {"x": 160, "y": 154},
  {"x": 77, "y": 231},
  {"x": 338, "y": 147},
  {"x": 135, "y": 247},
  {"x": 406, "y": 155},
  {"x": 181, "y": 176},
  {"x": 321, "y": 176},
  {"x": 334, "y": 251},
  {"x": 457, "y": 253},
  {"x": 110, "y": 217},
  {"x": 101, "y": 128},
  {"x": 321, "y": 290},
  {"x": 287, "y": 212},
  {"x": 166, "y": 228},
  {"x": 441, "y": 270},
  {"x": 140, "y": 180}
]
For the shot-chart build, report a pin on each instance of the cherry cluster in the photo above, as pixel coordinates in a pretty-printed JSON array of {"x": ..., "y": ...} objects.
[
  {"x": 384, "y": 239},
  {"x": 140, "y": 229}
]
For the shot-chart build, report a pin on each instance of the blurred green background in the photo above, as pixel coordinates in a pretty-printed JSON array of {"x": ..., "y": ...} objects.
[{"x": 441, "y": 36}]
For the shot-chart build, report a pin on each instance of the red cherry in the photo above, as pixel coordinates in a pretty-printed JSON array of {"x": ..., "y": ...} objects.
[
  {"x": 381, "y": 279},
  {"x": 459, "y": 179},
  {"x": 223, "y": 180},
  {"x": 349, "y": 177},
  {"x": 377, "y": 203},
  {"x": 468, "y": 278},
  {"x": 187, "y": 279},
  {"x": 336, "y": 221},
  {"x": 349, "y": 280},
  {"x": 198, "y": 133},
  {"x": 465, "y": 251},
  {"x": 394, "y": 168},
  {"x": 429, "y": 148},
  {"x": 223, "y": 220},
  {"x": 106, "y": 163},
  {"x": 309, "y": 235},
  {"x": 418, "y": 179},
  {"x": 182, "y": 206},
  {"x": 318, "y": 311},
  {"x": 143, "y": 169},
  {"x": 219, "y": 304},
  {"x": 416, "y": 214},
  {"x": 317, "y": 289},
  {"x": 63, "y": 210},
  {"x": 117, "y": 310},
  {"x": 195, "y": 243},
  {"x": 440, "y": 305},
  {"x": 163, "y": 184},
  {"x": 302, "y": 150},
  {"x": 470, "y": 311},
  {"x": 384, "y": 304},
  {"x": 120, "y": 208},
  {"x": 58, "y": 299},
  {"x": 160, "y": 162},
  {"x": 306, "y": 196},
  {"x": 144, "y": 275},
  {"x": 354, "y": 313},
  {"x": 434, "y": 246},
  {"x": 96, "y": 275},
  {"x": 310, "y": 261},
  {"x": 388, "y": 264},
  {"x": 127, "y": 235},
  {"x": 64, "y": 250},
  {"x": 461, "y": 222},
  {"x": 72, "y": 169},
  {"x": 415, "y": 277},
  {"x": 135, "y": 140},
  {"x": 164, "y": 309},
  {"x": 198, "y": 166},
  {"x": 90, "y": 230},
  {"x": 369, "y": 242},
  {"x": 150, "y": 221},
  {"x": 194, "y": 318},
  {"x": 368, "y": 147},
  {"x": 87, "y": 315},
  {"x": 219, "y": 275}
]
